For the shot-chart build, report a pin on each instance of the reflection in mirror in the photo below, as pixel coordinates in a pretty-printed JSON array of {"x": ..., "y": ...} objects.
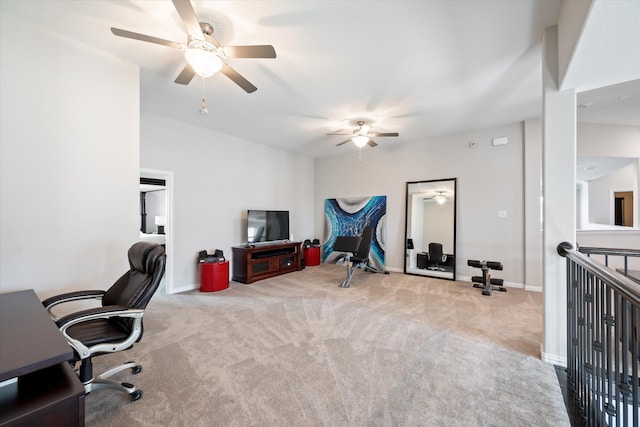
[
  {"x": 605, "y": 193},
  {"x": 608, "y": 187},
  {"x": 430, "y": 228}
]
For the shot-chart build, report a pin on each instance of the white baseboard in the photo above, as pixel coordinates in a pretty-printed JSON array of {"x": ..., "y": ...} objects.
[
  {"x": 185, "y": 288},
  {"x": 514, "y": 285},
  {"x": 553, "y": 359},
  {"x": 506, "y": 284}
]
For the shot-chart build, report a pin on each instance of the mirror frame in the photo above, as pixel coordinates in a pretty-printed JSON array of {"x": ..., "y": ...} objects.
[{"x": 408, "y": 252}]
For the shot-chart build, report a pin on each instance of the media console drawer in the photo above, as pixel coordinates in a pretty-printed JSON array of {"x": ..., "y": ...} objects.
[{"x": 256, "y": 262}]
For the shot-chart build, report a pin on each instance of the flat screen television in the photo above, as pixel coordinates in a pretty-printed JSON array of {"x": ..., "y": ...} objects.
[{"x": 267, "y": 226}]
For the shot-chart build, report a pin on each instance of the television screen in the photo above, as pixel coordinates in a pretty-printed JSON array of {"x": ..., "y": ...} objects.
[{"x": 267, "y": 226}]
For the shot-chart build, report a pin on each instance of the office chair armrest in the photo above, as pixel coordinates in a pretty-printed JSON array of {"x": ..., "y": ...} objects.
[
  {"x": 106, "y": 312},
  {"x": 51, "y": 302}
]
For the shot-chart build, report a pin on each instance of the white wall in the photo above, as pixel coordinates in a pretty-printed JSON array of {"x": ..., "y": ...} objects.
[
  {"x": 490, "y": 179},
  {"x": 69, "y": 162},
  {"x": 601, "y": 191},
  {"x": 558, "y": 209},
  {"x": 217, "y": 178},
  {"x": 415, "y": 227},
  {"x": 623, "y": 239},
  {"x": 533, "y": 204},
  {"x": 438, "y": 225},
  {"x": 598, "y": 140},
  {"x": 608, "y": 140}
]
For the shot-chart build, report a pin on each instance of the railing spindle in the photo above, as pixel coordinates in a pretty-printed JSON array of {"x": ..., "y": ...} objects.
[{"x": 602, "y": 337}]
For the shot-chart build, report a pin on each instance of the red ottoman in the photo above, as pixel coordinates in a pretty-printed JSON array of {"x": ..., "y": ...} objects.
[
  {"x": 312, "y": 256},
  {"x": 214, "y": 276}
]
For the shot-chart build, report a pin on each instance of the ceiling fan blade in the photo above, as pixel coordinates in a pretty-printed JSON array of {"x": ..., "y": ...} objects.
[
  {"x": 238, "y": 79},
  {"x": 186, "y": 75},
  {"x": 385, "y": 134},
  {"x": 258, "y": 51},
  {"x": 372, "y": 143},
  {"x": 144, "y": 38},
  {"x": 189, "y": 18},
  {"x": 343, "y": 142},
  {"x": 341, "y": 132}
]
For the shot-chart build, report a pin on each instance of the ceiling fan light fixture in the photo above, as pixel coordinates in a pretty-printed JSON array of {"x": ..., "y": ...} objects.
[
  {"x": 360, "y": 140},
  {"x": 440, "y": 199},
  {"x": 204, "y": 63}
]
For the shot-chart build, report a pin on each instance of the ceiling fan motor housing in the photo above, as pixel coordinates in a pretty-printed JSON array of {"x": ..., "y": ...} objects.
[{"x": 206, "y": 28}]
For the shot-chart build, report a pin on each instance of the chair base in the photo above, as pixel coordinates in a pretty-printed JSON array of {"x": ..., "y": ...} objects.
[
  {"x": 101, "y": 382},
  {"x": 351, "y": 268}
]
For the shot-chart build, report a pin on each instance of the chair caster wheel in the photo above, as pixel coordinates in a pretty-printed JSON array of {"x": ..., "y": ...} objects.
[
  {"x": 136, "y": 395},
  {"x": 136, "y": 369}
]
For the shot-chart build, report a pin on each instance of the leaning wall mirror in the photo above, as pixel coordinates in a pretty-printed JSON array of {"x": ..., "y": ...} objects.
[{"x": 430, "y": 228}]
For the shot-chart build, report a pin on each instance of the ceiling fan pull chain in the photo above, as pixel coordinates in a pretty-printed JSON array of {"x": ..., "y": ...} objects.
[{"x": 203, "y": 108}]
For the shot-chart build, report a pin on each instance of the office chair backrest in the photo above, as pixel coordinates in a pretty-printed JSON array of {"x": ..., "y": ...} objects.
[
  {"x": 435, "y": 252},
  {"x": 365, "y": 243},
  {"x": 135, "y": 288}
]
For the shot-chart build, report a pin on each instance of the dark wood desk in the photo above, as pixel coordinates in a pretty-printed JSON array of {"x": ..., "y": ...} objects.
[{"x": 33, "y": 350}]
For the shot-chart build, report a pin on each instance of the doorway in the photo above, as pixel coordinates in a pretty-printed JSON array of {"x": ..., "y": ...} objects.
[
  {"x": 623, "y": 208},
  {"x": 166, "y": 224}
]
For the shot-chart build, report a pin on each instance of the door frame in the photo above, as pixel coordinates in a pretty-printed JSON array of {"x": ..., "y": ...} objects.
[
  {"x": 612, "y": 204},
  {"x": 169, "y": 231}
]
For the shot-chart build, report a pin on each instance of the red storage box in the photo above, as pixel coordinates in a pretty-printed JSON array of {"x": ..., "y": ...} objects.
[
  {"x": 312, "y": 256},
  {"x": 214, "y": 276}
]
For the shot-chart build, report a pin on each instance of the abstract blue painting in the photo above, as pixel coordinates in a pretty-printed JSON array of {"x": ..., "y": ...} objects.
[{"x": 348, "y": 216}]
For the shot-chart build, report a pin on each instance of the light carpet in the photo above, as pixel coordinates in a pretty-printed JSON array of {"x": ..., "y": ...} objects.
[{"x": 296, "y": 350}]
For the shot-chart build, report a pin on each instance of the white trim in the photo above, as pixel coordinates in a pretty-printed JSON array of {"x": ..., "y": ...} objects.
[
  {"x": 553, "y": 359},
  {"x": 463, "y": 278},
  {"x": 169, "y": 236},
  {"x": 505, "y": 283},
  {"x": 614, "y": 230},
  {"x": 514, "y": 285},
  {"x": 186, "y": 288}
]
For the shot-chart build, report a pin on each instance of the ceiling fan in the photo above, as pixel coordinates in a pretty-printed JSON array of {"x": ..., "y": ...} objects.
[
  {"x": 361, "y": 136},
  {"x": 204, "y": 54},
  {"x": 439, "y": 197}
]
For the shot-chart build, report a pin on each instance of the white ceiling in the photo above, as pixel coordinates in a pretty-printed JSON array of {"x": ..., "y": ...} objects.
[
  {"x": 590, "y": 168},
  {"x": 420, "y": 68}
]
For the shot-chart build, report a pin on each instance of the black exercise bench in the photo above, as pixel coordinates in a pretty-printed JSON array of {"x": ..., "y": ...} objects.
[{"x": 485, "y": 281}]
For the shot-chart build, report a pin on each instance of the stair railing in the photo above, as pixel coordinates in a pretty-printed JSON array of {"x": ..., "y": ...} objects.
[{"x": 603, "y": 357}]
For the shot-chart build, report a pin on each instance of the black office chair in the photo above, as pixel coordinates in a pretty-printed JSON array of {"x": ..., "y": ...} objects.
[
  {"x": 436, "y": 256},
  {"x": 356, "y": 251},
  {"x": 117, "y": 324}
]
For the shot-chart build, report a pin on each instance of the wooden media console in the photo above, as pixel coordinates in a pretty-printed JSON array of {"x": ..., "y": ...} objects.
[{"x": 256, "y": 262}]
